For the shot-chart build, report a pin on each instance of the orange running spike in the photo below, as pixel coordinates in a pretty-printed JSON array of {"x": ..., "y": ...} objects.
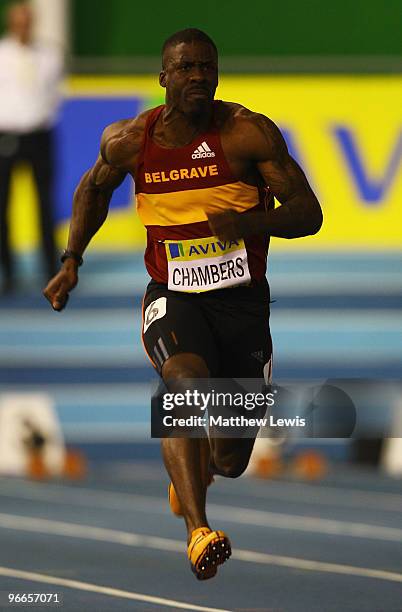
[{"x": 206, "y": 551}]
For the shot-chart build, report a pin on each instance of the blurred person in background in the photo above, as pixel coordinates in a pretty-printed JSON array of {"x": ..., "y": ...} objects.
[{"x": 30, "y": 75}]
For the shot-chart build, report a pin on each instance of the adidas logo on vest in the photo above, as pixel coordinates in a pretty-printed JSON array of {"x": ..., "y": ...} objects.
[{"x": 202, "y": 151}]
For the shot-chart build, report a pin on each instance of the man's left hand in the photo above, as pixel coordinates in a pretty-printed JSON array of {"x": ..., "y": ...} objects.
[{"x": 228, "y": 225}]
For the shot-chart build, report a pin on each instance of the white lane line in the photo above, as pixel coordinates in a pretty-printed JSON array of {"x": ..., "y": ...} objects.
[
  {"x": 289, "y": 491},
  {"x": 100, "y": 534},
  {"x": 315, "y": 566},
  {"x": 243, "y": 516},
  {"x": 328, "y": 496},
  {"x": 311, "y": 524},
  {"x": 97, "y": 588}
]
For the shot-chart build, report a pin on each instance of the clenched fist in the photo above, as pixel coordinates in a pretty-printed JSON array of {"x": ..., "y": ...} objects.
[
  {"x": 60, "y": 285},
  {"x": 230, "y": 225}
]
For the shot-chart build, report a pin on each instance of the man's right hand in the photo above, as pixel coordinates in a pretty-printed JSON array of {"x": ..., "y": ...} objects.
[{"x": 60, "y": 285}]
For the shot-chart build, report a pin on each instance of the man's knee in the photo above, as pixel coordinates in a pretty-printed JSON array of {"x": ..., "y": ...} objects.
[
  {"x": 230, "y": 466},
  {"x": 184, "y": 366}
]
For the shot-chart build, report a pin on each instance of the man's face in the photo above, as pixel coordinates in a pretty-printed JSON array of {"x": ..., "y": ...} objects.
[
  {"x": 20, "y": 22},
  {"x": 190, "y": 76}
]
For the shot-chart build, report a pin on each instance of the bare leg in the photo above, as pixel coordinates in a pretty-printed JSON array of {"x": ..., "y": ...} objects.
[
  {"x": 230, "y": 456},
  {"x": 183, "y": 458},
  {"x": 187, "y": 459}
]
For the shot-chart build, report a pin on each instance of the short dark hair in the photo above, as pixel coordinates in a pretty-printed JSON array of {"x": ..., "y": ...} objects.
[{"x": 186, "y": 36}]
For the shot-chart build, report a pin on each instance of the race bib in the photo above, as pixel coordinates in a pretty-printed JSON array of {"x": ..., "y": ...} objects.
[{"x": 204, "y": 264}]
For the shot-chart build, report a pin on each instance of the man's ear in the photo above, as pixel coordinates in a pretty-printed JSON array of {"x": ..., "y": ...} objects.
[{"x": 162, "y": 78}]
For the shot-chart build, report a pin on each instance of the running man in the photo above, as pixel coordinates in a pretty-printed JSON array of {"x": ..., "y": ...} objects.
[{"x": 206, "y": 174}]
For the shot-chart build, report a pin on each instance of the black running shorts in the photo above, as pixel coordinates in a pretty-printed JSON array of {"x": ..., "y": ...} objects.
[{"x": 229, "y": 328}]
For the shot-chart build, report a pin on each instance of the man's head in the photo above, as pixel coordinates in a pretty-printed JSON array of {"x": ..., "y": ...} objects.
[
  {"x": 189, "y": 70},
  {"x": 20, "y": 21}
]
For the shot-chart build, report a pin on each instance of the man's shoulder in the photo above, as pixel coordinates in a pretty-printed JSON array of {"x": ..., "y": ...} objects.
[
  {"x": 134, "y": 125},
  {"x": 122, "y": 139},
  {"x": 253, "y": 134},
  {"x": 234, "y": 116}
]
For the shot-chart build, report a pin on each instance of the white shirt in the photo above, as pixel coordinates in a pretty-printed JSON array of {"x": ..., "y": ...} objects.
[{"x": 30, "y": 76}]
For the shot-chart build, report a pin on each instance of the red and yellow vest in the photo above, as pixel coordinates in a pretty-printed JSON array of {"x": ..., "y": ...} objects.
[{"x": 174, "y": 190}]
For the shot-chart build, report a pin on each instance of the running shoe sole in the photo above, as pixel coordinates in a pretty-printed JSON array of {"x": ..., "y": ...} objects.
[{"x": 206, "y": 551}]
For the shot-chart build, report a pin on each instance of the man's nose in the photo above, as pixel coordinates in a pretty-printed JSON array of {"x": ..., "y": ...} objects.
[{"x": 197, "y": 74}]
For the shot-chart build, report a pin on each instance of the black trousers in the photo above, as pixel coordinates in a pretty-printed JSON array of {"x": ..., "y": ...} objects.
[{"x": 35, "y": 148}]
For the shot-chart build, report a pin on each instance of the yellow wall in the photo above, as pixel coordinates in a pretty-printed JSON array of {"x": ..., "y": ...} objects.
[{"x": 308, "y": 107}]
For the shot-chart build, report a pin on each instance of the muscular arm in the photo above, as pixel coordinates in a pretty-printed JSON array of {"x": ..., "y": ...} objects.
[
  {"x": 299, "y": 214},
  {"x": 91, "y": 203},
  {"x": 119, "y": 146}
]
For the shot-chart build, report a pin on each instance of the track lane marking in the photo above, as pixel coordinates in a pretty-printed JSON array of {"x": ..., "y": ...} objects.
[
  {"x": 329, "y": 496},
  {"x": 97, "y": 588},
  {"x": 313, "y": 494},
  {"x": 243, "y": 516},
  {"x": 100, "y": 534}
]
